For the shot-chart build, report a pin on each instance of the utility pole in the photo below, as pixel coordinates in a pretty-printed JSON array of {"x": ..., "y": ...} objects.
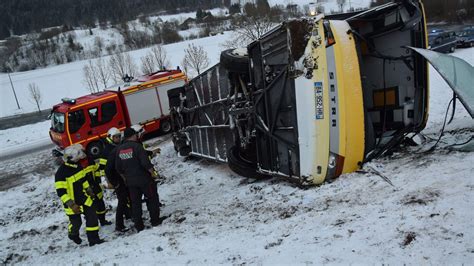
[{"x": 13, "y": 89}]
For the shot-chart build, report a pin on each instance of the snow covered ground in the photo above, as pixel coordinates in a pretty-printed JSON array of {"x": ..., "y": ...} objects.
[{"x": 217, "y": 217}]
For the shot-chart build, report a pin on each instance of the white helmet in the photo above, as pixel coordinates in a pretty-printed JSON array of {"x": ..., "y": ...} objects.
[
  {"x": 113, "y": 131},
  {"x": 74, "y": 153},
  {"x": 139, "y": 129}
]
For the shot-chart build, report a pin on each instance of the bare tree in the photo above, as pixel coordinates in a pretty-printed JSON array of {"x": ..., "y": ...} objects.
[
  {"x": 91, "y": 78},
  {"x": 252, "y": 28},
  {"x": 121, "y": 65},
  {"x": 148, "y": 64},
  {"x": 130, "y": 65},
  {"x": 103, "y": 72},
  {"x": 195, "y": 57},
  {"x": 185, "y": 66},
  {"x": 117, "y": 66},
  {"x": 341, "y": 4},
  {"x": 160, "y": 56},
  {"x": 35, "y": 95}
]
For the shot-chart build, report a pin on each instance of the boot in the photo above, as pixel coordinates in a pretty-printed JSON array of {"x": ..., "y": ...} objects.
[
  {"x": 121, "y": 229},
  {"x": 96, "y": 242},
  {"x": 139, "y": 226},
  {"x": 93, "y": 238},
  {"x": 75, "y": 238}
]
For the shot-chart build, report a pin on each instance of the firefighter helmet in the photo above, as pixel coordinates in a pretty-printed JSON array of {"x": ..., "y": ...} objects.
[
  {"x": 139, "y": 129},
  {"x": 113, "y": 131},
  {"x": 74, "y": 153}
]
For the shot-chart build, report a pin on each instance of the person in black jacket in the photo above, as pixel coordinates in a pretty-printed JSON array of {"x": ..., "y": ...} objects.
[
  {"x": 133, "y": 164},
  {"x": 72, "y": 186},
  {"x": 108, "y": 157}
]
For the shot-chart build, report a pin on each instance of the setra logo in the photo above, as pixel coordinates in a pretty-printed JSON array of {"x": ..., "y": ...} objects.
[{"x": 126, "y": 154}]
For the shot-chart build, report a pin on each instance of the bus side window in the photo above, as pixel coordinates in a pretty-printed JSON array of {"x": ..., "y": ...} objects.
[
  {"x": 109, "y": 109},
  {"x": 75, "y": 120},
  {"x": 94, "y": 116}
]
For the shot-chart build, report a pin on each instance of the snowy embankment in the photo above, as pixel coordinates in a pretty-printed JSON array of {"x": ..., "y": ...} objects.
[{"x": 218, "y": 217}]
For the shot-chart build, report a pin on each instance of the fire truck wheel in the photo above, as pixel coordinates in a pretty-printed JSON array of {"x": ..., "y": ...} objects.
[
  {"x": 94, "y": 149},
  {"x": 235, "y": 60},
  {"x": 165, "y": 126},
  {"x": 241, "y": 165}
]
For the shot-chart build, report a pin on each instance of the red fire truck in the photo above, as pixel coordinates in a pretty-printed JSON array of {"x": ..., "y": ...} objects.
[{"x": 87, "y": 119}]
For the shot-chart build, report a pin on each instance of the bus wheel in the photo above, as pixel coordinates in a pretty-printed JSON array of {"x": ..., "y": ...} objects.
[
  {"x": 165, "y": 126},
  {"x": 94, "y": 149},
  {"x": 452, "y": 49},
  {"x": 242, "y": 165},
  {"x": 235, "y": 60}
]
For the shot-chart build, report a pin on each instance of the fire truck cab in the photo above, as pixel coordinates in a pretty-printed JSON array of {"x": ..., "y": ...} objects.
[{"x": 87, "y": 119}]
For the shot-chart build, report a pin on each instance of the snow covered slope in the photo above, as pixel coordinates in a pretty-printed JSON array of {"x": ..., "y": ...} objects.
[{"x": 216, "y": 217}]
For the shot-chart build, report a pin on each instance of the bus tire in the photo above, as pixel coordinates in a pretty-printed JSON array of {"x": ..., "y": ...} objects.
[
  {"x": 234, "y": 61},
  {"x": 238, "y": 163}
]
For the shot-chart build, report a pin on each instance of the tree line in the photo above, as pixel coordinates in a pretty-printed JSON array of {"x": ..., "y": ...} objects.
[
  {"x": 24, "y": 16},
  {"x": 99, "y": 74}
]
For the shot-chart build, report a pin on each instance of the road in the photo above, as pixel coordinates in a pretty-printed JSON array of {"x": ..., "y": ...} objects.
[{"x": 20, "y": 150}]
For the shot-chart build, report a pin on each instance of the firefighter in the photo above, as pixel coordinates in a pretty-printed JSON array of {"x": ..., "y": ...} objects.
[
  {"x": 72, "y": 186},
  {"x": 96, "y": 168},
  {"x": 108, "y": 154},
  {"x": 141, "y": 131},
  {"x": 133, "y": 164}
]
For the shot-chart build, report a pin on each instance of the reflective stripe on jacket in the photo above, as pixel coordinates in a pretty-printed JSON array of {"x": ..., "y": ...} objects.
[{"x": 71, "y": 182}]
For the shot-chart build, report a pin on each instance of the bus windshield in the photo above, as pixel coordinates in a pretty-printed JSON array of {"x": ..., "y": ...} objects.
[{"x": 57, "y": 122}]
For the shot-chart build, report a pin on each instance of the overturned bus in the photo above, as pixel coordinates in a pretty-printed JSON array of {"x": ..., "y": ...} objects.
[{"x": 311, "y": 99}]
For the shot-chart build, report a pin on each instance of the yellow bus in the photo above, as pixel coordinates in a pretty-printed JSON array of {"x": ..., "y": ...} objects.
[{"x": 311, "y": 99}]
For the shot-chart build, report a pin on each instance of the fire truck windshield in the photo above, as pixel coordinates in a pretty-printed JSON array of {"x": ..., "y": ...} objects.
[{"x": 57, "y": 122}]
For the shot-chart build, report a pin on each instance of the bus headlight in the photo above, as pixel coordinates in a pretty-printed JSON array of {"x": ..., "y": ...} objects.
[{"x": 332, "y": 161}]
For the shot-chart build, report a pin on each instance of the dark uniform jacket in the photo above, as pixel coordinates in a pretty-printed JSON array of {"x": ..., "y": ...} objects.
[
  {"x": 109, "y": 145},
  {"x": 133, "y": 163},
  {"x": 71, "y": 182},
  {"x": 94, "y": 168},
  {"x": 97, "y": 167},
  {"x": 112, "y": 175}
]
